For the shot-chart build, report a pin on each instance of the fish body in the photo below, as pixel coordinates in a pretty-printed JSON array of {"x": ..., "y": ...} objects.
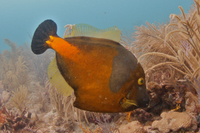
[{"x": 103, "y": 74}]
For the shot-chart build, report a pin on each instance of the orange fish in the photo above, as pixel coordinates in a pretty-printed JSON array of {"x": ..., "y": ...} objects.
[{"x": 104, "y": 76}]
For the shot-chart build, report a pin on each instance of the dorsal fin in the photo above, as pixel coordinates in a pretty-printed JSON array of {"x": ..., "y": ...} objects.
[
  {"x": 112, "y": 33},
  {"x": 57, "y": 80}
]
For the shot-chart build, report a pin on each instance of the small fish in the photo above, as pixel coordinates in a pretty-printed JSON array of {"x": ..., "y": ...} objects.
[{"x": 104, "y": 76}]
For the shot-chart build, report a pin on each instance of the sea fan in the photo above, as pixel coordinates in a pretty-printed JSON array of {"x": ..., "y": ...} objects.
[
  {"x": 13, "y": 67},
  {"x": 20, "y": 98},
  {"x": 65, "y": 108},
  {"x": 175, "y": 45}
]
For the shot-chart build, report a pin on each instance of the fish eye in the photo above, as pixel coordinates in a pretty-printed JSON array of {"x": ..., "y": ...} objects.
[{"x": 141, "y": 81}]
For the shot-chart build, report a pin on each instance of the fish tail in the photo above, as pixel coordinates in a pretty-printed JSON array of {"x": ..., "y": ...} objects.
[{"x": 41, "y": 35}]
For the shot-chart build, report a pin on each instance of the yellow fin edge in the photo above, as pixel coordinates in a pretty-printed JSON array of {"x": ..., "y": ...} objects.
[
  {"x": 57, "y": 80},
  {"x": 112, "y": 33}
]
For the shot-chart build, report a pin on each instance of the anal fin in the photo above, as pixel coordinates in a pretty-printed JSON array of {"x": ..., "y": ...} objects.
[{"x": 57, "y": 80}]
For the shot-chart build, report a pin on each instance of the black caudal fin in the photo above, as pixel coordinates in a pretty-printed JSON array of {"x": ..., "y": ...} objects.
[{"x": 41, "y": 35}]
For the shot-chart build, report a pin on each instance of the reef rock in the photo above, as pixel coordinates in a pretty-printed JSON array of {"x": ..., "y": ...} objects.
[
  {"x": 50, "y": 117},
  {"x": 5, "y": 96},
  {"x": 191, "y": 103},
  {"x": 1, "y": 87},
  {"x": 172, "y": 121},
  {"x": 132, "y": 127}
]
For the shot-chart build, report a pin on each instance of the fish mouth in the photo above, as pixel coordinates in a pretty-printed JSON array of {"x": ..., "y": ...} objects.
[{"x": 145, "y": 102}]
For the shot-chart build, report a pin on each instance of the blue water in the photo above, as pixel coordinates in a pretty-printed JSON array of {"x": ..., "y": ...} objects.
[{"x": 19, "y": 18}]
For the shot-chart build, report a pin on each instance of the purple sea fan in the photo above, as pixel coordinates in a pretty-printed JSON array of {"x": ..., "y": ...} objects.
[
  {"x": 106, "y": 124},
  {"x": 187, "y": 47},
  {"x": 192, "y": 63},
  {"x": 197, "y": 81}
]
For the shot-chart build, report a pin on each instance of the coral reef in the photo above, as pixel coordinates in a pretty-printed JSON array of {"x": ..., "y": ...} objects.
[
  {"x": 166, "y": 97},
  {"x": 170, "y": 56},
  {"x": 172, "y": 46}
]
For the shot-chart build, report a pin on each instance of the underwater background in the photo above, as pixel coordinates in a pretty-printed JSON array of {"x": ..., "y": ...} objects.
[
  {"x": 20, "y": 18},
  {"x": 164, "y": 36}
]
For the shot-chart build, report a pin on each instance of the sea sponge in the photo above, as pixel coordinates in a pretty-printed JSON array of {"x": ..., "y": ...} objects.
[
  {"x": 132, "y": 127},
  {"x": 172, "y": 121}
]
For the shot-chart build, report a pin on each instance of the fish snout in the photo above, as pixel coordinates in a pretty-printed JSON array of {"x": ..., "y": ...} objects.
[{"x": 144, "y": 101}]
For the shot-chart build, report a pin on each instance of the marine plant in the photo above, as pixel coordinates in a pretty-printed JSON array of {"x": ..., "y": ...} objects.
[
  {"x": 20, "y": 98},
  {"x": 37, "y": 64},
  {"x": 19, "y": 66},
  {"x": 171, "y": 49},
  {"x": 39, "y": 97},
  {"x": 64, "y": 106},
  {"x": 100, "y": 129},
  {"x": 13, "y": 67}
]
